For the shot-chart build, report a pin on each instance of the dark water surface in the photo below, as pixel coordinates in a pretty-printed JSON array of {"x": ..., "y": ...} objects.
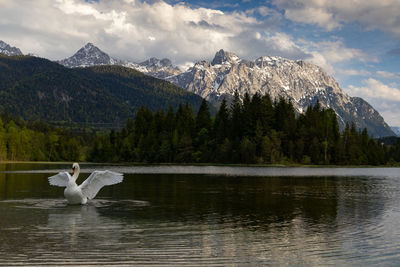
[{"x": 203, "y": 216}]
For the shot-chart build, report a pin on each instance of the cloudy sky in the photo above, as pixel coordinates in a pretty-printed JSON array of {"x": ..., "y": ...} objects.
[{"x": 356, "y": 41}]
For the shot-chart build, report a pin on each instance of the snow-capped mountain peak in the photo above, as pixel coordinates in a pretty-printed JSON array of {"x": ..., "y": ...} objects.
[
  {"x": 89, "y": 55},
  {"x": 89, "y": 46},
  {"x": 264, "y": 61},
  {"x": 300, "y": 82},
  {"x": 8, "y": 50},
  {"x": 158, "y": 68},
  {"x": 224, "y": 57}
]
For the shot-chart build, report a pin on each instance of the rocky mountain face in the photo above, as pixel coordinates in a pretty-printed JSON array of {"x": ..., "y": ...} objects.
[
  {"x": 155, "y": 67},
  {"x": 8, "y": 50},
  {"x": 396, "y": 130},
  {"x": 301, "y": 82},
  {"x": 90, "y": 55}
]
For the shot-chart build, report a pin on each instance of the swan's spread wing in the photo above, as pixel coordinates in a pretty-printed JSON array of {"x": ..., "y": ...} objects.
[
  {"x": 92, "y": 185},
  {"x": 60, "y": 179}
]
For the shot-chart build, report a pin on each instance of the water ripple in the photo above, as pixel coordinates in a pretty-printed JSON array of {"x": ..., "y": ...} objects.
[{"x": 168, "y": 220}]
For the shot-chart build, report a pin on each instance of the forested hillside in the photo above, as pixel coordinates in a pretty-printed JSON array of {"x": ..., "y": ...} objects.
[{"x": 36, "y": 88}]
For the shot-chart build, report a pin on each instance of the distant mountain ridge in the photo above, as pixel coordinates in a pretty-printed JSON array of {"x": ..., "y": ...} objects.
[
  {"x": 90, "y": 55},
  {"x": 300, "y": 82},
  {"x": 8, "y": 50}
]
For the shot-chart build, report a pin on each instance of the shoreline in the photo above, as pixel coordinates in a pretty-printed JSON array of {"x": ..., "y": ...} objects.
[{"x": 289, "y": 165}]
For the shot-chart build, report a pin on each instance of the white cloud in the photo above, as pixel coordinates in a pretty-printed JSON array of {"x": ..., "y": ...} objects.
[
  {"x": 313, "y": 15},
  {"x": 70, "y": 7},
  {"x": 371, "y": 14},
  {"x": 264, "y": 11},
  {"x": 337, "y": 52},
  {"x": 251, "y": 45},
  {"x": 328, "y": 53},
  {"x": 388, "y": 75},
  {"x": 391, "y": 115},
  {"x": 384, "y": 98},
  {"x": 353, "y": 72},
  {"x": 374, "y": 89},
  {"x": 137, "y": 30}
]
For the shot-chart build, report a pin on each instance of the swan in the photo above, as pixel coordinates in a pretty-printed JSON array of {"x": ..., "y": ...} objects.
[{"x": 88, "y": 189}]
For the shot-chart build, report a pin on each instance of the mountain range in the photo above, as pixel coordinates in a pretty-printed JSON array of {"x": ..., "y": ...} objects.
[
  {"x": 90, "y": 55},
  {"x": 8, "y": 50},
  {"x": 300, "y": 82}
]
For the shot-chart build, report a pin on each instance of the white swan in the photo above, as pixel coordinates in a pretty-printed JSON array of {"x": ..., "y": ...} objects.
[{"x": 88, "y": 189}]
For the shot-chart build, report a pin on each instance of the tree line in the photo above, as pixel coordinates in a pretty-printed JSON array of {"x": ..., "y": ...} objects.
[
  {"x": 38, "y": 141},
  {"x": 256, "y": 130}
]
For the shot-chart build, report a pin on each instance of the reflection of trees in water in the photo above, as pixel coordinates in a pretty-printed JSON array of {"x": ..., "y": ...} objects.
[
  {"x": 275, "y": 220},
  {"x": 3, "y": 187},
  {"x": 26, "y": 185},
  {"x": 364, "y": 200},
  {"x": 294, "y": 220},
  {"x": 318, "y": 200}
]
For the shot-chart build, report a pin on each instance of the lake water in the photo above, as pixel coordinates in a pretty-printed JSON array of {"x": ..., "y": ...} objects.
[{"x": 203, "y": 216}]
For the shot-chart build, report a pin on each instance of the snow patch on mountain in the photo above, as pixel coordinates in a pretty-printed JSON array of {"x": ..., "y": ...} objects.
[
  {"x": 8, "y": 50},
  {"x": 90, "y": 55},
  {"x": 300, "y": 82}
]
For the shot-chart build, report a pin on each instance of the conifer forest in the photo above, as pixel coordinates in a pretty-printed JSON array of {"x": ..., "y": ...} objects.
[{"x": 256, "y": 130}]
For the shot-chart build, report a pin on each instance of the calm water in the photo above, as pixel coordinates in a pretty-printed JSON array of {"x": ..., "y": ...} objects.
[{"x": 205, "y": 216}]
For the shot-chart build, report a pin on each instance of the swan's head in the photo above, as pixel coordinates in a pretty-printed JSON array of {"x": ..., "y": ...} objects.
[{"x": 75, "y": 168}]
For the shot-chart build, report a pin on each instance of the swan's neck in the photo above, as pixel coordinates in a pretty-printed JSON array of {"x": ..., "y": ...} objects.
[{"x": 75, "y": 175}]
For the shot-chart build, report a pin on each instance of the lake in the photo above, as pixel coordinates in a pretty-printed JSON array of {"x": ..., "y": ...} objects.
[{"x": 203, "y": 216}]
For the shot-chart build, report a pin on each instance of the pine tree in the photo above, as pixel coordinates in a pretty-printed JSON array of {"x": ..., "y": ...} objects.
[
  {"x": 203, "y": 119},
  {"x": 236, "y": 117},
  {"x": 221, "y": 125}
]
